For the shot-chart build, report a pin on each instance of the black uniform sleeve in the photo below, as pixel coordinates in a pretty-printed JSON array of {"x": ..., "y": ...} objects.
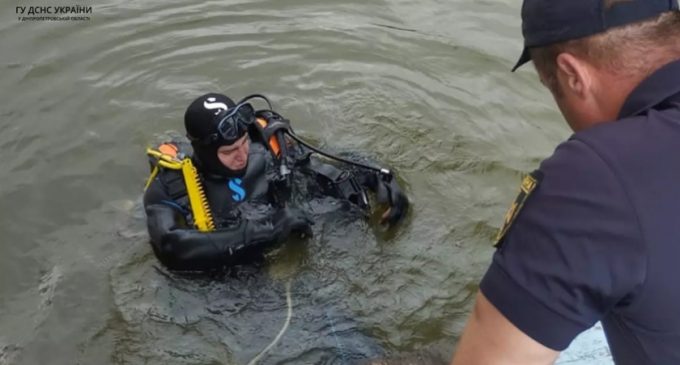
[
  {"x": 183, "y": 248},
  {"x": 574, "y": 252}
]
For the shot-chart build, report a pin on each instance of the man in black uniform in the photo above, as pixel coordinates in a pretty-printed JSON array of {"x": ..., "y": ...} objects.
[
  {"x": 595, "y": 232},
  {"x": 227, "y": 201}
]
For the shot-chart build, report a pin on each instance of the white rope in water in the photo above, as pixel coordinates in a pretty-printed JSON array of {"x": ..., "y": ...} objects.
[{"x": 289, "y": 301}]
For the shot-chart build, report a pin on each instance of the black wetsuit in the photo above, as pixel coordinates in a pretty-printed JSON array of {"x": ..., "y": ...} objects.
[{"x": 240, "y": 233}]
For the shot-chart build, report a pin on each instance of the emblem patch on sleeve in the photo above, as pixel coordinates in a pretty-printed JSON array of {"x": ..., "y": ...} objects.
[{"x": 529, "y": 184}]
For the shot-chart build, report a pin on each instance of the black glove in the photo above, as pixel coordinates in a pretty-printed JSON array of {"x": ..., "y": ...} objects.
[
  {"x": 388, "y": 192},
  {"x": 289, "y": 221},
  {"x": 275, "y": 123}
]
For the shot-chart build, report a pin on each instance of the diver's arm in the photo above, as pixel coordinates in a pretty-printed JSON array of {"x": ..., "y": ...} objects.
[
  {"x": 188, "y": 249},
  {"x": 180, "y": 248}
]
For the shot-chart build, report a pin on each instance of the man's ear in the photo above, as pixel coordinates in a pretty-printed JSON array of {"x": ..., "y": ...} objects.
[{"x": 573, "y": 75}]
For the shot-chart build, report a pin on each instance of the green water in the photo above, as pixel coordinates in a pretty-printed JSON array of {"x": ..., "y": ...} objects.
[{"x": 423, "y": 86}]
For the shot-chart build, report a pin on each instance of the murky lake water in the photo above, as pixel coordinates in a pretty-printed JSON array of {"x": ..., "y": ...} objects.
[{"x": 423, "y": 86}]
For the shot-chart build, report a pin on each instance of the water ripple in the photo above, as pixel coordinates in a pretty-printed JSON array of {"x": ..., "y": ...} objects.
[{"x": 422, "y": 87}]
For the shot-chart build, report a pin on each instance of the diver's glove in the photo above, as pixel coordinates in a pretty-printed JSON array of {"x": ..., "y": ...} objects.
[
  {"x": 388, "y": 192},
  {"x": 275, "y": 123},
  {"x": 289, "y": 221}
]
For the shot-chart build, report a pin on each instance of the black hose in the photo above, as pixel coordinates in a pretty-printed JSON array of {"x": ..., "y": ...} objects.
[
  {"x": 385, "y": 173},
  {"x": 256, "y": 96},
  {"x": 382, "y": 171}
]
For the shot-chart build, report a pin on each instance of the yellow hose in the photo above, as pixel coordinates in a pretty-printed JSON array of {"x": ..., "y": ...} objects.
[
  {"x": 203, "y": 219},
  {"x": 153, "y": 175}
]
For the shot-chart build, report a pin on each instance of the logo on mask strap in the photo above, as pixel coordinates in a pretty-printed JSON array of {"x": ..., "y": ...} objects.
[
  {"x": 210, "y": 104},
  {"x": 239, "y": 192}
]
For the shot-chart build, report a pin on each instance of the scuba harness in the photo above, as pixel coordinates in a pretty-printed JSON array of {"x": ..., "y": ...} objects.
[{"x": 170, "y": 155}]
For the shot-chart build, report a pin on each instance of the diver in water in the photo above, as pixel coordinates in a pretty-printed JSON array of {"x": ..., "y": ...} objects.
[{"x": 196, "y": 198}]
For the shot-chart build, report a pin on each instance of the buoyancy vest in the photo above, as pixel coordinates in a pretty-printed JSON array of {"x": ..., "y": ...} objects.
[
  {"x": 170, "y": 156},
  {"x": 177, "y": 155}
]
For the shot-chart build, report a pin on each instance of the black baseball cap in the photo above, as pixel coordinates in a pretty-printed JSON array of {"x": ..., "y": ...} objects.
[{"x": 546, "y": 22}]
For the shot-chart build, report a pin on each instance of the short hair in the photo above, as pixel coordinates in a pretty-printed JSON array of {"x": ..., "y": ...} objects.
[{"x": 633, "y": 50}]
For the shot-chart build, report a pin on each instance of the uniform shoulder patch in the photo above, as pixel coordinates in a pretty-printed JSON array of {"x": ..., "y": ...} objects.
[{"x": 528, "y": 185}]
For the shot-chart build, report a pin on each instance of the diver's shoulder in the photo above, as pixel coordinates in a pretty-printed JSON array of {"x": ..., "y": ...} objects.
[{"x": 169, "y": 181}]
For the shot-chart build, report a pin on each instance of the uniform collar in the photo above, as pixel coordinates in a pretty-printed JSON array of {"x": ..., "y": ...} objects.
[{"x": 661, "y": 85}]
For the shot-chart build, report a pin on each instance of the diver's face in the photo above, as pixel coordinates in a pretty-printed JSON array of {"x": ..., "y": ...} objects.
[{"x": 235, "y": 156}]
